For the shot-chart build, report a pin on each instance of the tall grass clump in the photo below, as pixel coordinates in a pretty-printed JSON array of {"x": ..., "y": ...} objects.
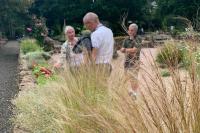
[
  {"x": 29, "y": 45},
  {"x": 191, "y": 55},
  {"x": 193, "y": 59},
  {"x": 85, "y": 100},
  {"x": 172, "y": 104},
  {"x": 172, "y": 53},
  {"x": 77, "y": 93}
]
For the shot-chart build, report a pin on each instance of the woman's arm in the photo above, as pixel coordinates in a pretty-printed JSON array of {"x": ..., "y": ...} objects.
[{"x": 62, "y": 57}]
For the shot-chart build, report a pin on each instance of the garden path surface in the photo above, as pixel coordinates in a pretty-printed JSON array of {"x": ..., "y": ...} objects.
[{"x": 8, "y": 83}]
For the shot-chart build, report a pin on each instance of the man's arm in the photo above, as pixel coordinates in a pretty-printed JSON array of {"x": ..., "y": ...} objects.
[
  {"x": 62, "y": 57},
  {"x": 94, "y": 54},
  {"x": 96, "y": 42},
  {"x": 127, "y": 50},
  {"x": 131, "y": 50},
  {"x": 137, "y": 46}
]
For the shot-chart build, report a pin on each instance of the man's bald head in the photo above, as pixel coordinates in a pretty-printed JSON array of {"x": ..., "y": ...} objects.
[
  {"x": 90, "y": 16},
  {"x": 91, "y": 21}
]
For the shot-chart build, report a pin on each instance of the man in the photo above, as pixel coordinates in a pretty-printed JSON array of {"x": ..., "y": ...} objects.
[
  {"x": 102, "y": 41},
  {"x": 131, "y": 48}
]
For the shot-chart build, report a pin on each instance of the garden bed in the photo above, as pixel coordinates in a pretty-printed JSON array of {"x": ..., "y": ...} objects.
[{"x": 80, "y": 100}]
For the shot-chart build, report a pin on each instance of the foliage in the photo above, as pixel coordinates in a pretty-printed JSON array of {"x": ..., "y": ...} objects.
[
  {"x": 29, "y": 45},
  {"x": 192, "y": 55},
  {"x": 165, "y": 73},
  {"x": 14, "y": 16},
  {"x": 73, "y": 12},
  {"x": 32, "y": 114},
  {"x": 81, "y": 85},
  {"x": 183, "y": 8},
  {"x": 84, "y": 102},
  {"x": 43, "y": 74},
  {"x": 190, "y": 36},
  {"x": 39, "y": 29},
  {"x": 171, "y": 54},
  {"x": 37, "y": 57},
  {"x": 183, "y": 54}
]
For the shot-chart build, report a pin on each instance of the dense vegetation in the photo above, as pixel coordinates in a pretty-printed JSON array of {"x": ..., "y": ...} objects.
[
  {"x": 83, "y": 100},
  {"x": 16, "y": 16}
]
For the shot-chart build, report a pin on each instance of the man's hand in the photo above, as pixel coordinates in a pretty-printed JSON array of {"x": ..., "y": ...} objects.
[
  {"x": 131, "y": 50},
  {"x": 94, "y": 54},
  {"x": 57, "y": 65},
  {"x": 123, "y": 50}
]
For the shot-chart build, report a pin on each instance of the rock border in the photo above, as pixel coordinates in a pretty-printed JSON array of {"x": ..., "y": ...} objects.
[{"x": 25, "y": 81}]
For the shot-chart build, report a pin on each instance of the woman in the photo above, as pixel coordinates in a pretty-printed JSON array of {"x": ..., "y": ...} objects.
[{"x": 67, "y": 55}]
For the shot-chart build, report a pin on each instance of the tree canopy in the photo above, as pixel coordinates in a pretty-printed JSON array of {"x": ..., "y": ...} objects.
[
  {"x": 13, "y": 16},
  {"x": 73, "y": 11},
  {"x": 149, "y": 14}
]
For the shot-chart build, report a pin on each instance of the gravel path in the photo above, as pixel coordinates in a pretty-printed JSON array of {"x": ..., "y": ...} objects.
[{"x": 8, "y": 83}]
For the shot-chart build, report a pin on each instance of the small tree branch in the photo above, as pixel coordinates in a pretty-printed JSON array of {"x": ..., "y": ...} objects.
[{"x": 123, "y": 21}]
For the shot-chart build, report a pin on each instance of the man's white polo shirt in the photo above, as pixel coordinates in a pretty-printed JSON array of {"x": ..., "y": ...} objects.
[{"x": 102, "y": 39}]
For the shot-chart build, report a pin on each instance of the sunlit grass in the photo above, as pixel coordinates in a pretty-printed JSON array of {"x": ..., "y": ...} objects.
[{"x": 87, "y": 101}]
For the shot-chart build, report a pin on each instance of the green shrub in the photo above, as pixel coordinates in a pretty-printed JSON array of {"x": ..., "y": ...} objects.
[
  {"x": 165, "y": 73},
  {"x": 42, "y": 80},
  {"x": 171, "y": 54},
  {"x": 188, "y": 61},
  {"x": 29, "y": 45},
  {"x": 37, "y": 57},
  {"x": 175, "y": 32},
  {"x": 41, "y": 77}
]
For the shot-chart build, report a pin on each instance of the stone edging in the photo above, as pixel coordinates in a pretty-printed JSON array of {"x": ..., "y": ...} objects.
[{"x": 25, "y": 81}]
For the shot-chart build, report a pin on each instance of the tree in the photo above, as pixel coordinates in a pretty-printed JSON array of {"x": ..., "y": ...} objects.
[
  {"x": 184, "y": 8},
  {"x": 55, "y": 11},
  {"x": 13, "y": 15}
]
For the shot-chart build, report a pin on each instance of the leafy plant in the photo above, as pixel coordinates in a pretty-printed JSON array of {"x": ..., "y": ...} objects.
[
  {"x": 29, "y": 45},
  {"x": 43, "y": 74},
  {"x": 171, "y": 54},
  {"x": 197, "y": 59},
  {"x": 165, "y": 73},
  {"x": 37, "y": 57}
]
